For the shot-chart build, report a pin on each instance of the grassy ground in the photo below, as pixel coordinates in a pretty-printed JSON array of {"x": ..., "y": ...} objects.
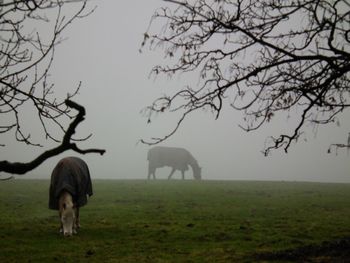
[{"x": 174, "y": 221}]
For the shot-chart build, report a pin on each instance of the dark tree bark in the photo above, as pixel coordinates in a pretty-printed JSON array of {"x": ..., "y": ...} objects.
[{"x": 262, "y": 57}]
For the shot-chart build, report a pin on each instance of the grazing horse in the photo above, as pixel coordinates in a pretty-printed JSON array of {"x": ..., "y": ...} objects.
[
  {"x": 70, "y": 185},
  {"x": 176, "y": 158}
]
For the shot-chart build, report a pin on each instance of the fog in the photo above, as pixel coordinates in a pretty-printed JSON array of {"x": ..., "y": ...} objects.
[{"x": 102, "y": 51}]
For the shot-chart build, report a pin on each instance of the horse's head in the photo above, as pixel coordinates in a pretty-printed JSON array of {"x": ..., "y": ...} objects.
[
  {"x": 67, "y": 214},
  {"x": 197, "y": 173}
]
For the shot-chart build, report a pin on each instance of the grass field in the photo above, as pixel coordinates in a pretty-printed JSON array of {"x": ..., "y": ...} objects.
[{"x": 175, "y": 221}]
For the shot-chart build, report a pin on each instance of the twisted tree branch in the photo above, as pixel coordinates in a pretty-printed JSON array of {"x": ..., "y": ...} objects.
[{"x": 22, "y": 168}]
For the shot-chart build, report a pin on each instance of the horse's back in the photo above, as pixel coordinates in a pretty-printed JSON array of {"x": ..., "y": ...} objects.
[
  {"x": 177, "y": 158},
  {"x": 71, "y": 174}
]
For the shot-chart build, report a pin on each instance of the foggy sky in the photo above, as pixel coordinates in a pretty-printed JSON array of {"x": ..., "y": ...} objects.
[{"x": 102, "y": 52}]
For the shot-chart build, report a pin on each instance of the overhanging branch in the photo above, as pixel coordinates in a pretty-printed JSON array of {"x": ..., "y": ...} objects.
[
  {"x": 340, "y": 145},
  {"x": 22, "y": 168},
  {"x": 243, "y": 58}
]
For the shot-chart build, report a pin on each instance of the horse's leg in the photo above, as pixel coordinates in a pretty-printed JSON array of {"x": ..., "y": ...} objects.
[
  {"x": 61, "y": 225},
  {"x": 171, "y": 173},
  {"x": 76, "y": 223},
  {"x": 151, "y": 172},
  {"x": 183, "y": 174},
  {"x": 77, "y": 218}
]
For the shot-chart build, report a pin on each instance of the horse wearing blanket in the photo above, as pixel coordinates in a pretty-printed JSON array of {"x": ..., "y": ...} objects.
[
  {"x": 176, "y": 158},
  {"x": 70, "y": 185}
]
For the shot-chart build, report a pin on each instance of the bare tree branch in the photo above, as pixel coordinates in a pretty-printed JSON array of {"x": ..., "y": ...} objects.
[
  {"x": 26, "y": 56},
  {"x": 276, "y": 57},
  {"x": 30, "y": 31},
  {"x": 340, "y": 146},
  {"x": 22, "y": 168}
]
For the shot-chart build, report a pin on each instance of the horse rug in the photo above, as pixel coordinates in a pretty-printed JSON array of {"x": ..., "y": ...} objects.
[{"x": 70, "y": 174}]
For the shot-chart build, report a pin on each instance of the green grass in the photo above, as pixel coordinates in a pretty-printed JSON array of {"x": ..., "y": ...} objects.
[{"x": 173, "y": 221}]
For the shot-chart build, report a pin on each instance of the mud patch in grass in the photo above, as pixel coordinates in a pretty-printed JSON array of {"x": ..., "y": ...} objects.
[{"x": 328, "y": 251}]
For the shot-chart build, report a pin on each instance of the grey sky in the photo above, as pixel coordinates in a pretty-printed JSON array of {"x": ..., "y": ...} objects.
[{"x": 102, "y": 52}]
